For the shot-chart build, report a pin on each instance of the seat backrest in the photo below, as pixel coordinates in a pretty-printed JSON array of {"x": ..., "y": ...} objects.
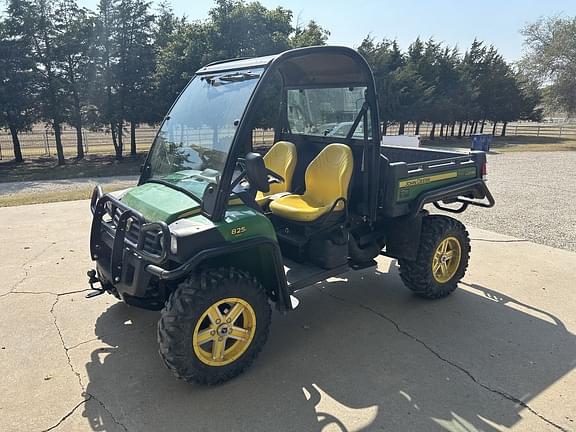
[
  {"x": 281, "y": 159},
  {"x": 328, "y": 175}
]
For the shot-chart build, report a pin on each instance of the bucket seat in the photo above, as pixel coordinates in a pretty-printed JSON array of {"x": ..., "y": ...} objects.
[
  {"x": 281, "y": 158},
  {"x": 327, "y": 179}
]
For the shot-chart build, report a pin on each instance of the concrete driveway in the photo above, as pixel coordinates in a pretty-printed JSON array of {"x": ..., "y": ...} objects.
[{"x": 360, "y": 353}]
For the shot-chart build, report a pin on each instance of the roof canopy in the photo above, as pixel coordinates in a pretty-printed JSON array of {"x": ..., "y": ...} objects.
[{"x": 325, "y": 65}]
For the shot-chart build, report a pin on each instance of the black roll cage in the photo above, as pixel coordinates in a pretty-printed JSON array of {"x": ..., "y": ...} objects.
[{"x": 215, "y": 199}]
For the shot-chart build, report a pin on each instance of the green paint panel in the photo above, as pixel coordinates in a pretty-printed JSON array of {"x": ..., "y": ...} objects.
[
  {"x": 160, "y": 203},
  {"x": 418, "y": 184},
  {"x": 240, "y": 223}
]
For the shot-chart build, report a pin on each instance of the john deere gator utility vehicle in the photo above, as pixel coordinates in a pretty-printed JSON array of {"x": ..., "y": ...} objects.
[{"x": 220, "y": 226}]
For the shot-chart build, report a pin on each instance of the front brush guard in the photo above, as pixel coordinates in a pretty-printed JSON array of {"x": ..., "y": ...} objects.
[{"x": 117, "y": 229}]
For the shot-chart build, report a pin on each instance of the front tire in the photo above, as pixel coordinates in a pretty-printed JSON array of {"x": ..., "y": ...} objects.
[
  {"x": 442, "y": 258},
  {"x": 214, "y": 325}
]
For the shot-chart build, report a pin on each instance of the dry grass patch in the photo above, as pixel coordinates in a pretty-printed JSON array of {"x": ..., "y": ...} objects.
[{"x": 41, "y": 197}]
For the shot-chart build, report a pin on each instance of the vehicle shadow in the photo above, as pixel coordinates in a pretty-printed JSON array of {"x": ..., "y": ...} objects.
[{"x": 360, "y": 353}]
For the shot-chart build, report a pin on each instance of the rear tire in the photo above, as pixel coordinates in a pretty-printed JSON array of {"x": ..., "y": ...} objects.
[
  {"x": 188, "y": 334},
  {"x": 433, "y": 274}
]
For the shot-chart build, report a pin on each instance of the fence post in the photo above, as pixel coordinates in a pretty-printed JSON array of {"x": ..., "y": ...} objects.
[
  {"x": 538, "y": 133},
  {"x": 516, "y": 130},
  {"x": 1, "y": 149},
  {"x": 85, "y": 141},
  {"x": 560, "y": 134}
]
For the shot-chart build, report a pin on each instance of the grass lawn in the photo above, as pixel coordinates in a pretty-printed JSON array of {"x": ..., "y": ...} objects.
[
  {"x": 91, "y": 166},
  {"x": 25, "y": 198},
  {"x": 509, "y": 144}
]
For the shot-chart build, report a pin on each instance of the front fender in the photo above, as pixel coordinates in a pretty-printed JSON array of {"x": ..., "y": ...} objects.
[{"x": 259, "y": 256}]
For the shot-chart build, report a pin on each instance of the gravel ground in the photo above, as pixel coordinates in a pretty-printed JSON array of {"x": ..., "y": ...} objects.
[{"x": 535, "y": 195}]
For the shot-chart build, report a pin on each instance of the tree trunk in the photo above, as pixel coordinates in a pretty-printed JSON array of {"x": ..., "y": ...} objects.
[
  {"x": 78, "y": 126},
  {"x": 58, "y": 139},
  {"x": 401, "y": 128},
  {"x": 494, "y": 128},
  {"x": 79, "y": 142},
  {"x": 16, "y": 143},
  {"x": 465, "y": 128},
  {"x": 417, "y": 130},
  {"x": 117, "y": 148},
  {"x": 132, "y": 139},
  {"x": 384, "y": 128},
  {"x": 433, "y": 131},
  {"x": 460, "y": 130},
  {"x": 482, "y": 126},
  {"x": 503, "y": 133},
  {"x": 441, "y": 129},
  {"x": 452, "y": 129},
  {"x": 113, "y": 133},
  {"x": 476, "y": 127},
  {"x": 120, "y": 138}
]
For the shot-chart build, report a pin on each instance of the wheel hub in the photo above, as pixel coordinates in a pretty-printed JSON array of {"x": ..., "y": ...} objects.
[
  {"x": 446, "y": 259},
  {"x": 224, "y": 332}
]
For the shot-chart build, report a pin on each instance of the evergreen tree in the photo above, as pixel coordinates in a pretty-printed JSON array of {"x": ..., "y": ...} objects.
[
  {"x": 186, "y": 51},
  {"x": 104, "y": 91},
  {"x": 135, "y": 66},
  {"x": 240, "y": 29},
  {"x": 42, "y": 28},
  {"x": 73, "y": 49},
  {"x": 17, "y": 75},
  {"x": 310, "y": 35}
]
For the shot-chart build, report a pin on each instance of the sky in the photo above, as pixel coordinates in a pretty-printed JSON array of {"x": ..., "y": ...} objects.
[{"x": 453, "y": 22}]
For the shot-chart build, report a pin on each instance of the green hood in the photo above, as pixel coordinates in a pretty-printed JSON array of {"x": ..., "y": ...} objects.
[{"x": 157, "y": 202}]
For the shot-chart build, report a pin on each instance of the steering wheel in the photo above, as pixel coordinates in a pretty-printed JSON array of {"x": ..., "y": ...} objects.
[{"x": 273, "y": 177}]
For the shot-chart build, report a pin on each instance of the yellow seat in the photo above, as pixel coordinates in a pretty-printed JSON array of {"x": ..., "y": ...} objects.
[
  {"x": 327, "y": 180},
  {"x": 281, "y": 159}
]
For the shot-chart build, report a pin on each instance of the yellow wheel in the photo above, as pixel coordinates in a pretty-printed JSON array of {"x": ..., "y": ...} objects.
[
  {"x": 441, "y": 260},
  {"x": 214, "y": 325},
  {"x": 446, "y": 259},
  {"x": 224, "y": 332}
]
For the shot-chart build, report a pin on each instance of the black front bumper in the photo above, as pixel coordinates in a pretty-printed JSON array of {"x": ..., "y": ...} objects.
[{"x": 123, "y": 244}]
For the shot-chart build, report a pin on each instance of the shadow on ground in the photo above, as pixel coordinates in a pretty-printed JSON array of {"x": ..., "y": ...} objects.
[{"x": 359, "y": 354}]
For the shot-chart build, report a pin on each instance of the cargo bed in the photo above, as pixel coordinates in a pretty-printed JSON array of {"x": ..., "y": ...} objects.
[{"x": 413, "y": 177}]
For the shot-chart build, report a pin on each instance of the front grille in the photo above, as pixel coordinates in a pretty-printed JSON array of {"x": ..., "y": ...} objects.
[{"x": 152, "y": 239}]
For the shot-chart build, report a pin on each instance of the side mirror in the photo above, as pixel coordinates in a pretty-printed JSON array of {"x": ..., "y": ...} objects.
[{"x": 256, "y": 172}]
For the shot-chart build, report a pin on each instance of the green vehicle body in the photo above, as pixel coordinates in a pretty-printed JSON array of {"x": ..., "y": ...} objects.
[
  {"x": 160, "y": 203},
  {"x": 195, "y": 239},
  {"x": 224, "y": 230},
  {"x": 410, "y": 188}
]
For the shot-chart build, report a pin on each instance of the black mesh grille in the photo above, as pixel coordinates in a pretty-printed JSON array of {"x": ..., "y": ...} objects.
[{"x": 152, "y": 238}]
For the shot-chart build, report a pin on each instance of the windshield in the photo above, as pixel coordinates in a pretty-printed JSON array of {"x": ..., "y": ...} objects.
[
  {"x": 325, "y": 111},
  {"x": 192, "y": 145}
]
